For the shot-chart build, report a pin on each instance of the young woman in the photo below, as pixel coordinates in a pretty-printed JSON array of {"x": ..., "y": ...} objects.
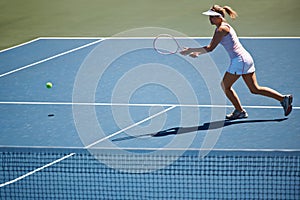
[{"x": 241, "y": 63}]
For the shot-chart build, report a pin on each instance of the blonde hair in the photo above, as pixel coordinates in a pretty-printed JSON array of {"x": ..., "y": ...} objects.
[{"x": 222, "y": 10}]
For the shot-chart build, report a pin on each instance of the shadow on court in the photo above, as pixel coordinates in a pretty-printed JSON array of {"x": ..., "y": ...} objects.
[{"x": 204, "y": 127}]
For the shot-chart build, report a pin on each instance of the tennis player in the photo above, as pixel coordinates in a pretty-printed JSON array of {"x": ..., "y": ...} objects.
[{"x": 241, "y": 63}]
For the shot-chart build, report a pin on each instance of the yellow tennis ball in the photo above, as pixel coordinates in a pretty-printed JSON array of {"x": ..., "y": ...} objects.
[{"x": 49, "y": 85}]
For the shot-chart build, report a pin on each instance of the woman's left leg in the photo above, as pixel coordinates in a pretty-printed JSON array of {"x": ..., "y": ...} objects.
[
  {"x": 285, "y": 100},
  {"x": 251, "y": 82}
]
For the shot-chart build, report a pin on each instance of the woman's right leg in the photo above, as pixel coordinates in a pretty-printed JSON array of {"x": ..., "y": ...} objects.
[{"x": 227, "y": 82}]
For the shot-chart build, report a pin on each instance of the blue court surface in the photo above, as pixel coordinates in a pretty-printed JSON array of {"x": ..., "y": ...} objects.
[{"x": 113, "y": 96}]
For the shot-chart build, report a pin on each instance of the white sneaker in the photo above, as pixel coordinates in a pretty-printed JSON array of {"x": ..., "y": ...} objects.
[
  {"x": 287, "y": 104},
  {"x": 237, "y": 115}
]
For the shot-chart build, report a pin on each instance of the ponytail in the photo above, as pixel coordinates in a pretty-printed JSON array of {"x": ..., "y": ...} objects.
[
  {"x": 230, "y": 12},
  {"x": 224, "y": 9}
]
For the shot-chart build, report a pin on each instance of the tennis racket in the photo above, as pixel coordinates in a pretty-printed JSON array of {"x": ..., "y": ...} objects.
[{"x": 166, "y": 44}]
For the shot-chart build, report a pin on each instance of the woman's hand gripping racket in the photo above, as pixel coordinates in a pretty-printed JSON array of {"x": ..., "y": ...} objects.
[{"x": 166, "y": 44}]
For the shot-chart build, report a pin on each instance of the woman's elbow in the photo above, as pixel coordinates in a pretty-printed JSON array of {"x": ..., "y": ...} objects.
[{"x": 209, "y": 48}]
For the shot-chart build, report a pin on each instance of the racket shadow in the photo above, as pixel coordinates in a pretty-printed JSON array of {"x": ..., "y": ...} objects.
[{"x": 204, "y": 127}]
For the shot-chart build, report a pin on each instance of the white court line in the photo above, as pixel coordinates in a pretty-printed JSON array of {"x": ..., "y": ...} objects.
[
  {"x": 86, "y": 147},
  {"x": 97, "y": 38},
  {"x": 129, "y": 127},
  {"x": 136, "y": 104},
  {"x": 50, "y": 58},
  {"x": 36, "y": 170},
  {"x": 23, "y": 44},
  {"x": 71, "y": 38},
  {"x": 151, "y": 37}
]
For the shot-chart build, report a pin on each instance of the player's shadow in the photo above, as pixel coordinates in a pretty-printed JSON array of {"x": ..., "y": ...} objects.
[{"x": 205, "y": 126}]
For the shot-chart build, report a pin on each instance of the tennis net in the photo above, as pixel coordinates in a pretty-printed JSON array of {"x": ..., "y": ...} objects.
[{"x": 82, "y": 175}]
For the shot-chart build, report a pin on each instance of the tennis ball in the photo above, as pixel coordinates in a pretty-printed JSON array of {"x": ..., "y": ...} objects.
[{"x": 49, "y": 85}]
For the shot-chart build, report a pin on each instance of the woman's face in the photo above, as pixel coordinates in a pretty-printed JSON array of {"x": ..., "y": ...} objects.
[{"x": 214, "y": 20}]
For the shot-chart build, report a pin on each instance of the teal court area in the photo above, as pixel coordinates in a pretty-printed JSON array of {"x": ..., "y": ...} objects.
[{"x": 135, "y": 124}]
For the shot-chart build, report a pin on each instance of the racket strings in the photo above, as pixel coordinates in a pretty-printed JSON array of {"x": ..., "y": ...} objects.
[{"x": 166, "y": 44}]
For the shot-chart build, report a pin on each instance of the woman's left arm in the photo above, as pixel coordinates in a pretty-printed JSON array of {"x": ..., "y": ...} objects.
[{"x": 218, "y": 36}]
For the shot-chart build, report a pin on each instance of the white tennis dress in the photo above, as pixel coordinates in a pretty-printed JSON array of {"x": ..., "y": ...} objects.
[{"x": 241, "y": 60}]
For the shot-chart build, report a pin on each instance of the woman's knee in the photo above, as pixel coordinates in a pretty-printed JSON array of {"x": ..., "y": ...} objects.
[
  {"x": 255, "y": 90},
  {"x": 225, "y": 87},
  {"x": 251, "y": 82}
]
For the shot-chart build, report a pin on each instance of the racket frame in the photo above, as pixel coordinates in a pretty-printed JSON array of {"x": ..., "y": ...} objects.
[{"x": 166, "y": 52}]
